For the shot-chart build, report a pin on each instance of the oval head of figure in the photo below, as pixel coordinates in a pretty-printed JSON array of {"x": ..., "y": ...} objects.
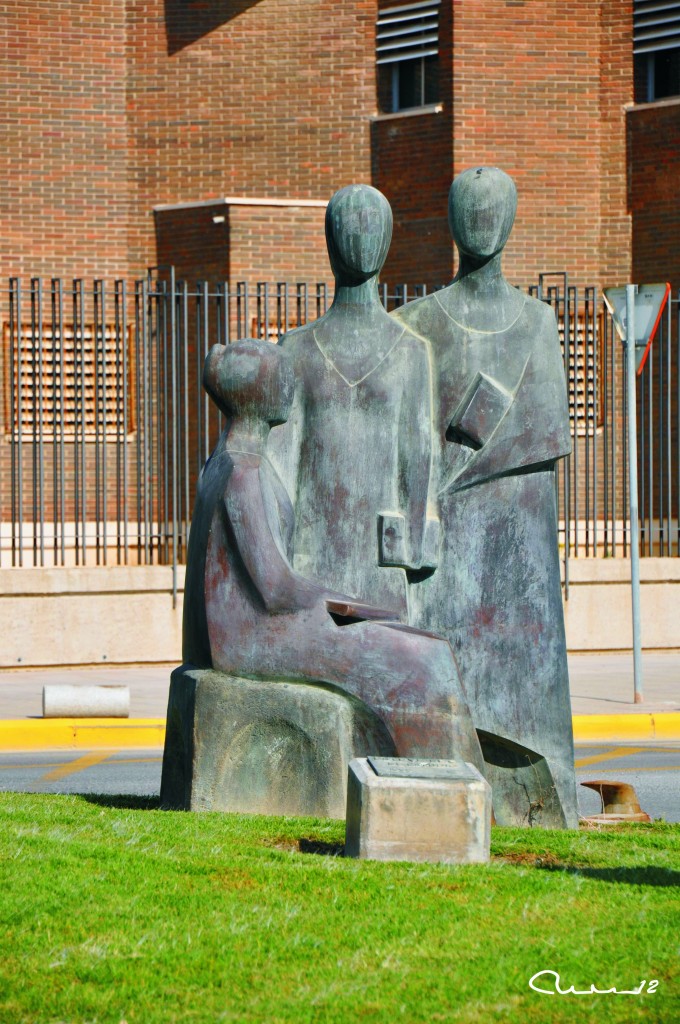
[
  {"x": 358, "y": 233},
  {"x": 482, "y": 207},
  {"x": 250, "y": 383}
]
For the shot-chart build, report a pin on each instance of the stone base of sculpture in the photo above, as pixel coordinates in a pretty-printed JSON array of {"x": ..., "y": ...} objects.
[
  {"x": 523, "y": 785},
  {"x": 261, "y": 747}
]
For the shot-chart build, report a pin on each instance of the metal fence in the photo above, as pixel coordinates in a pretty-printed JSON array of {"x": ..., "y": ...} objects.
[
  {"x": 106, "y": 426},
  {"x": 593, "y": 482}
]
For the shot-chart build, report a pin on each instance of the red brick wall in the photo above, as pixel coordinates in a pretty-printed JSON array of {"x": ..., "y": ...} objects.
[
  {"x": 532, "y": 82},
  {"x": 267, "y": 99},
  {"x": 168, "y": 101},
  {"x": 616, "y": 91},
  {"x": 539, "y": 90},
  {"x": 278, "y": 244},
  {"x": 412, "y": 164},
  {"x": 654, "y": 156},
  {"x": 63, "y": 160}
]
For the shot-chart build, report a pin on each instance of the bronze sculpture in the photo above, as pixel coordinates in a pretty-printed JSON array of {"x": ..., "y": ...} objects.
[
  {"x": 501, "y": 422},
  {"x": 316, "y": 554}
]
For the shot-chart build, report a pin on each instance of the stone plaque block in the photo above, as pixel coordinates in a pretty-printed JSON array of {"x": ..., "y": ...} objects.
[
  {"x": 262, "y": 747},
  {"x": 417, "y": 810}
]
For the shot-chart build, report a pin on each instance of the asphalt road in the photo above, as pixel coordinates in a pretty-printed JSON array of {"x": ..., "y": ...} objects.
[{"x": 652, "y": 768}]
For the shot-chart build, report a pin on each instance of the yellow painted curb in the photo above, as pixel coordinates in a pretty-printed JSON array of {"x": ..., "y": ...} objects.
[
  {"x": 81, "y": 733},
  {"x": 633, "y": 726},
  {"x": 116, "y": 733}
]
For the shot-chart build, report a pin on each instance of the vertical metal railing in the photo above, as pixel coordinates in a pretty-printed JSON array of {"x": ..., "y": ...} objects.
[{"x": 107, "y": 425}]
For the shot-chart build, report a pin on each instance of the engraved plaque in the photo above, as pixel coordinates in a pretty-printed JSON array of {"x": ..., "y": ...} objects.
[{"x": 422, "y": 768}]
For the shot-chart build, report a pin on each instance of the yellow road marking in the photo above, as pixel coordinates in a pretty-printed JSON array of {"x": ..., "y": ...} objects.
[
  {"x": 60, "y": 764},
  {"x": 646, "y": 768},
  {"x": 13, "y": 767},
  {"x": 651, "y": 748},
  {"x": 608, "y": 755},
  {"x": 79, "y": 765},
  {"x": 136, "y": 760}
]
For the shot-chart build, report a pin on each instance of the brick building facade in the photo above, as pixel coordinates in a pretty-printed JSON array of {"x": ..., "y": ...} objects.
[
  {"x": 209, "y": 135},
  {"x": 156, "y": 132}
]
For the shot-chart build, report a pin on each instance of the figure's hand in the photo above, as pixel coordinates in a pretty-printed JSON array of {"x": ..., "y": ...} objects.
[
  {"x": 398, "y": 546},
  {"x": 346, "y": 608}
]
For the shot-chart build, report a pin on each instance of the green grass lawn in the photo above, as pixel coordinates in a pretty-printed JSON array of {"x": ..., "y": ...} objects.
[{"x": 123, "y": 912}]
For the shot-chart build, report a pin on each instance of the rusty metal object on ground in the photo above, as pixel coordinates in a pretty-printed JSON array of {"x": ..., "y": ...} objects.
[{"x": 619, "y": 802}]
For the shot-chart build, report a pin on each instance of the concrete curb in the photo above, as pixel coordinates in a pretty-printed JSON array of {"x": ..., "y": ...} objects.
[
  {"x": 81, "y": 733},
  {"x": 634, "y": 726},
  {"x": 26, "y": 734}
]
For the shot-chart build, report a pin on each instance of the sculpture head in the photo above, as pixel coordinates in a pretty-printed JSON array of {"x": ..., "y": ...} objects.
[
  {"x": 358, "y": 233},
  {"x": 482, "y": 207},
  {"x": 250, "y": 379}
]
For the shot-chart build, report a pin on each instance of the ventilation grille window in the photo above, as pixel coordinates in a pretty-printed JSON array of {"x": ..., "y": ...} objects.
[
  {"x": 68, "y": 385},
  {"x": 408, "y": 32},
  {"x": 584, "y": 372},
  {"x": 656, "y": 25}
]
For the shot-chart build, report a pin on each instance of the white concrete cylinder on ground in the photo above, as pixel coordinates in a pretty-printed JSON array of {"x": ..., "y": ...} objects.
[{"x": 65, "y": 701}]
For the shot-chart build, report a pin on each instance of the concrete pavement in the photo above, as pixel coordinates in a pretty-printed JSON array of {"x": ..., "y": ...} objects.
[{"x": 601, "y": 691}]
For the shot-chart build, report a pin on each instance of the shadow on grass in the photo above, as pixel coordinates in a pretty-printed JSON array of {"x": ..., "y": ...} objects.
[
  {"x": 664, "y": 877},
  {"x": 123, "y": 801},
  {"x": 318, "y": 846}
]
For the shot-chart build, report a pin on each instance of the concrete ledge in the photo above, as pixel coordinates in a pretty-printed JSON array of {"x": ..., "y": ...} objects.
[
  {"x": 107, "y": 734},
  {"x": 617, "y": 570},
  {"x": 598, "y": 615},
  {"x": 90, "y": 616},
  {"x": 100, "y": 579},
  {"x": 121, "y": 615}
]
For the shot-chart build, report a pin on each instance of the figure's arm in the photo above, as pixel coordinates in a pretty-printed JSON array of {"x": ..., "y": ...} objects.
[
  {"x": 410, "y": 538},
  {"x": 512, "y": 431},
  {"x": 279, "y": 586},
  {"x": 269, "y": 571}
]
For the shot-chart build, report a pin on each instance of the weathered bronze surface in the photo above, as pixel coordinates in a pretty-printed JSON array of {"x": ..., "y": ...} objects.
[
  {"x": 355, "y": 453},
  {"x": 384, "y": 492},
  {"x": 262, "y": 747},
  {"x": 500, "y": 421},
  {"x": 249, "y": 613}
]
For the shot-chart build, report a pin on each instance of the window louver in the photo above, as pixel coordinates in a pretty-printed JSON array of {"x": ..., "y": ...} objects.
[
  {"x": 408, "y": 32},
  {"x": 656, "y": 25}
]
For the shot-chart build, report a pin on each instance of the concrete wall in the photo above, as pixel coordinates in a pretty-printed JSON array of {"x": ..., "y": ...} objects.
[
  {"x": 598, "y": 612},
  {"x": 89, "y": 616},
  {"x": 125, "y": 615}
]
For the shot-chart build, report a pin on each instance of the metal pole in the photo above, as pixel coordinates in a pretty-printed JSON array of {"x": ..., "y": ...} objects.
[{"x": 631, "y": 291}]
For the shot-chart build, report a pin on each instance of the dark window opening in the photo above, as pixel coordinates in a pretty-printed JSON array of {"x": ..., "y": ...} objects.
[
  {"x": 657, "y": 76},
  {"x": 656, "y": 46},
  {"x": 411, "y": 83}
]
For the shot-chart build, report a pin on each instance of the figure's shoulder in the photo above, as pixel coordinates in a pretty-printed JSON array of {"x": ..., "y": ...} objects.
[
  {"x": 300, "y": 337},
  {"x": 422, "y": 317},
  {"x": 412, "y": 311},
  {"x": 539, "y": 312}
]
